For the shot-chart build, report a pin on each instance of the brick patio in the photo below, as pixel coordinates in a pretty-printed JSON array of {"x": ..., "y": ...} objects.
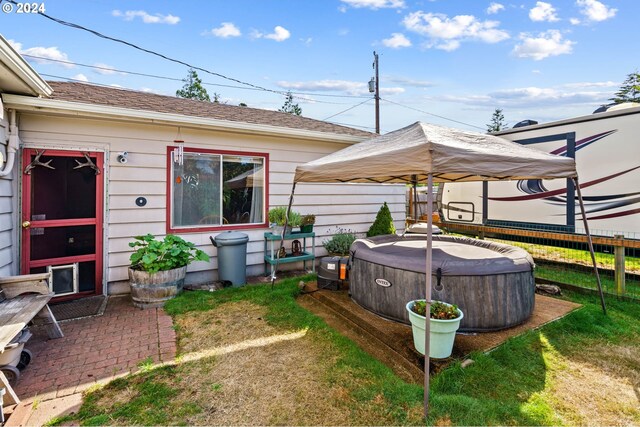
[{"x": 96, "y": 349}]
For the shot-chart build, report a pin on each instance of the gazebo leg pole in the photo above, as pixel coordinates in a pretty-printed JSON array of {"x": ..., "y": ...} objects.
[
  {"x": 427, "y": 328},
  {"x": 590, "y": 242},
  {"x": 286, "y": 223}
]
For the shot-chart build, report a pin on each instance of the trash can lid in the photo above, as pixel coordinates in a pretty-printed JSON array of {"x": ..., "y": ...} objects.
[{"x": 231, "y": 238}]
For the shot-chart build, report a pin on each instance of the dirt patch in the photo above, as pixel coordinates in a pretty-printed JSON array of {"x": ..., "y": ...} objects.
[
  {"x": 245, "y": 376},
  {"x": 601, "y": 386}
]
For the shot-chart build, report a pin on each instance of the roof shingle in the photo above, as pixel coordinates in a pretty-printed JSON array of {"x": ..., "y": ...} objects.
[{"x": 124, "y": 98}]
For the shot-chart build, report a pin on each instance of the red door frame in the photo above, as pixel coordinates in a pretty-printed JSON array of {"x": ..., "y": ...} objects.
[{"x": 26, "y": 262}]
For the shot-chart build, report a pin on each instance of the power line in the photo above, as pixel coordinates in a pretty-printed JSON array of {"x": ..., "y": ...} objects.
[
  {"x": 155, "y": 76},
  {"x": 170, "y": 78},
  {"x": 151, "y": 52},
  {"x": 434, "y": 115},
  {"x": 122, "y": 88},
  {"x": 350, "y": 108}
]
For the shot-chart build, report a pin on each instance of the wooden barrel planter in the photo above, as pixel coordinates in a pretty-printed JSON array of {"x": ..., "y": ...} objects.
[
  {"x": 151, "y": 290},
  {"x": 491, "y": 283}
]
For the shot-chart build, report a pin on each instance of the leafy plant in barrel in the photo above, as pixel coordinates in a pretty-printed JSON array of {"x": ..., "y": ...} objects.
[{"x": 173, "y": 251}]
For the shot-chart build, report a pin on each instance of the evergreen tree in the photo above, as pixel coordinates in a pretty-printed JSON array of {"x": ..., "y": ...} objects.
[
  {"x": 497, "y": 121},
  {"x": 629, "y": 91},
  {"x": 383, "y": 223},
  {"x": 290, "y": 107},
  {"x": 193, "y": 88}
]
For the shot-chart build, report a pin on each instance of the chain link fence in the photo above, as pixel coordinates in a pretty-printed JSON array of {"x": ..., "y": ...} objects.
[{"x": 564, "y": 258}]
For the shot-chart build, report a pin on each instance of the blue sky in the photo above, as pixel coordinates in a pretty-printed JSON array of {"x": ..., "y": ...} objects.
[{"x": 450, "y": 58}]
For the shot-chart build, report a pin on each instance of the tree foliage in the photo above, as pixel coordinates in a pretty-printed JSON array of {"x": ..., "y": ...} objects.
[
  {"x": 629, "y": 91},
  {"x": 193, "y": 89},
  {"x": 497, "y": 121},
  {"x": 383, "y": 223},
  {"x": 290, "y": 107}
]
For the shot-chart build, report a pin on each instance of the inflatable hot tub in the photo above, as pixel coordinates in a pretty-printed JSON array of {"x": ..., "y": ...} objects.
[{"x": 492, "y": 283}]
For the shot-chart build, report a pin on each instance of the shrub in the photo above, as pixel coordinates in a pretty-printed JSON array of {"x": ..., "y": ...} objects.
[
  {"x": 172, "y": 252},
  {"x": 340, "y": 243},
  {"x": 383, "y": 223}
]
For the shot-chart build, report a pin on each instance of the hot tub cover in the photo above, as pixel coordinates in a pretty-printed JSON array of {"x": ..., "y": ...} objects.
[{"x": 455, "y": 256}]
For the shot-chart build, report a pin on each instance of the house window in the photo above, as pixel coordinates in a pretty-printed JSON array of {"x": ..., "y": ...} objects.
[{"x": 214, "y": 190}]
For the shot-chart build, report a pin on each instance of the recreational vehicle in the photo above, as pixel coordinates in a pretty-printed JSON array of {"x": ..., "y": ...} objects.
[{"x": 606, "y": 146}]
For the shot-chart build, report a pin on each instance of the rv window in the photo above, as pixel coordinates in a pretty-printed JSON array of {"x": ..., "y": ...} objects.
[{"x": 212, "y": 190}]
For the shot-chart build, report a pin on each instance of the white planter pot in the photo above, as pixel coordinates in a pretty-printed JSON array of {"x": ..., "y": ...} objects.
[{"x": 443, "y": 333}]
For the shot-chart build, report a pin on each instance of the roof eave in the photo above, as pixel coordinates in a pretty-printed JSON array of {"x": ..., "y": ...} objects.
[
  {"x": 69, "y": 108},
  {"x": 22, "y": 70}
]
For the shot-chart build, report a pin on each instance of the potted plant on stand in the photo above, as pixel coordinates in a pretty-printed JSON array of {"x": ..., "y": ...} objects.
[
  {"x": 306, "y": 224},
  {"x": 277, "y": 218},
  {"x": 445, "y": 321},
  {"x": 158, "y": 268}
]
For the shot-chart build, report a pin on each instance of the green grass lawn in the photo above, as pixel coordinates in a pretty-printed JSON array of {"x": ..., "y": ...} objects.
[
  {"x": 574, "y": 256},
  {"x": 530, "y": 380},
  {"x": 583, "y": 279}
]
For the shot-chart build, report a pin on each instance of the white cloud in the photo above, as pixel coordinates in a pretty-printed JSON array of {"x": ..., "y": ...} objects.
[
  {"x": 574, "y": 21},
  {"x": 106, "y": 70},
  {"x": 548, "y": 43},
  {"x": 582, "y": 85},
  {"x": 494, "y": 8},
  {"x": 374, "y": 4},
  {"x": 279, "y": 34},
  {"x": 448, "y": 33},
  {"x": 150, "y": 90},
  {"x": 534, "y": 97},
  {"x": 307, "y": 41},
  {"x": 42, "y": 53},
  {"x": 225, "y": 30},
  {"x": 595, "y": 11},
  {"x": 81, "y": 77},
  {"x": 349, "y": 87},
  {"x": 396, "y": 41},
  {"x": 408, "y": 82},
  {"x": 147, "y": 18},
  {"x": 543, "y": 12}
]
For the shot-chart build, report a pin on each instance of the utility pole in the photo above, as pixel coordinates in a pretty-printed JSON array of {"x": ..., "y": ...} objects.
[{"x": 374, "y": 86}]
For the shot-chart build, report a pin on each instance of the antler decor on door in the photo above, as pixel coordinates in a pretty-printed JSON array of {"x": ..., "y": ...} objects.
[
  {"x": 89, "y": 163},
  {"x": 37, "y": 162}
]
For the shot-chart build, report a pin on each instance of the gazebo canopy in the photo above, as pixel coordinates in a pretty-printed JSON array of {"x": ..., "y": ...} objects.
[{"x": 451, "y": 155}]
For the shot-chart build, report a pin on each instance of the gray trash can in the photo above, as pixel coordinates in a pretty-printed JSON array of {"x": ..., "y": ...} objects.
[{"x": 232, "y": 256}]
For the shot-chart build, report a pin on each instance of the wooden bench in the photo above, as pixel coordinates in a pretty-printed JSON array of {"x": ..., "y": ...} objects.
[{"x": 25, "y": 300}]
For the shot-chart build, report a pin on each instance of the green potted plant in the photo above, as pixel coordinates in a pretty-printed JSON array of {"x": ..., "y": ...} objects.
[
  {"x": 158, "y": 268},
  {"x": 445, "y": 320},
  {"x": 277, "y": 217},
  {"x": 340, "y": 243},
  {"x": 306, "y": 224}
]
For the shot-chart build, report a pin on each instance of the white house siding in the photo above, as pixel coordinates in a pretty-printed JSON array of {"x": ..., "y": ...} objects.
[
  {"x": 347, "y": 206},
  {"x": 7, "y": 248}
]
